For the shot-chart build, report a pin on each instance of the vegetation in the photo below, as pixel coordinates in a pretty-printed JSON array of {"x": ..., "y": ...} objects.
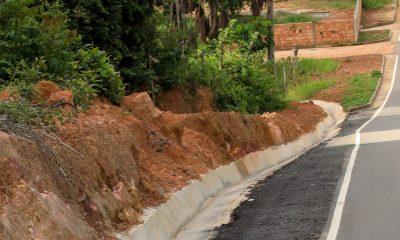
[
  {"x": 332, "y": 4},
  {"x": 108, "y": 49},
  {"x": 303, "y": 76},
  {"x": 233, "y": 66},
  {"x": 36, "y": 43},
  {"x": 375, "y": 4},
  {"x": 307, "y": 90},
  {"x": 361, "y": 88},
  {"x": 374, "y": 36},
  {"x": 295, "y": 18}
]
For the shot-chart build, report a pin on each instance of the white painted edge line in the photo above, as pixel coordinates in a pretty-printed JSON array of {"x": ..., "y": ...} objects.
[{"x": 337, "y": 215}]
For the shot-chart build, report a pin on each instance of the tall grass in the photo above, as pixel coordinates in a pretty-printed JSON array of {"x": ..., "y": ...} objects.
[
  {"x": 301, "y": 74},
  {"x": 304, "y": 68},
  {"x": 375, "y": 4},
  {"x": 309, "y": 89}
]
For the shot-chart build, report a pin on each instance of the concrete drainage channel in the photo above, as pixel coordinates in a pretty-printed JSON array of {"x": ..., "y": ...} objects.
[{"x": 204, "y": 204}]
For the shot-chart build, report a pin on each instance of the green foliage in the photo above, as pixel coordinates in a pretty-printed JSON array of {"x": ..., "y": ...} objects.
[
  {"x": 375, "y": 4},
  {"x": 98, "y": 71},
  {"x": 123, "y": 28},
  {"x": 36, "y": 44},
  {"x": 360, "y": 90},
  {"x": 233, "y": 67},
  {"x": 24, "y": 113},
  {"x": 374, "y": 36},
  {"x": 307, "y": 90},
  {"x": 295, "y": 18},
  {"x": 248, "y": 36}
]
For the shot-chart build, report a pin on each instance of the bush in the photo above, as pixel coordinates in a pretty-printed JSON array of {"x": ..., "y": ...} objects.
[
  {"x": 35, "y": 44},
  {"x": 98, "y": 71}
]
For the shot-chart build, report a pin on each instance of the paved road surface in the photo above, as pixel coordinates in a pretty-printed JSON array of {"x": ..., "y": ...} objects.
[
  {"x": 372, "y": 199},
  {"x": 296, "y": 202}
]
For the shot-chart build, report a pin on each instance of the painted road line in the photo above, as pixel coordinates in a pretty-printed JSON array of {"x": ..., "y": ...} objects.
[{"x": 337, "y": 215}]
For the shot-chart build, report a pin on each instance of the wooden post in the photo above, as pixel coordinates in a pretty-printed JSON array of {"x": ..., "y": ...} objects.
[{"x": 284, "y": 81}]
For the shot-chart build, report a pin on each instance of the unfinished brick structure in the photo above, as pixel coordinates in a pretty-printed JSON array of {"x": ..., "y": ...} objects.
[{"x": 328, "y": 32}]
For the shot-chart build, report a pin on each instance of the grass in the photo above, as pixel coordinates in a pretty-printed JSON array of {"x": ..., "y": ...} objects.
[
  {"x": 375, "y": 4},
  {"x": 326, "y": 5},
  {"x": 360, "y": 90},
  {"x": 307, "y": 90},
  {"x": 294, "y": 18},
  {"x": 306, "y": 68},
  {"x": 301, "y": 82},
  {"x": 374, "y": 36},
  {"x": 309, "y": 66}
]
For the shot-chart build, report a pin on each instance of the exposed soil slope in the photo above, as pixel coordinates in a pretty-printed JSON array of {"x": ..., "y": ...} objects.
[{"x": 118, "y": 160}]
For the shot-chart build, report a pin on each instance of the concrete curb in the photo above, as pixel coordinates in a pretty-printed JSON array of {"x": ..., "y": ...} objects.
[
  {"x": 373, "y": 97},
  {"x": 168, "y": 218}
]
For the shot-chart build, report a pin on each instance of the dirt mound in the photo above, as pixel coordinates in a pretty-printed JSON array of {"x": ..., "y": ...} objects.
[
  {"x": 192, "y": 100},
  {"x": 112, "y": 162}
]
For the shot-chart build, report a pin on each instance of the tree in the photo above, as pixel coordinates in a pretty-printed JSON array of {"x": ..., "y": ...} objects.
[
  {"x": 271, "y": 43},
  {"x": 256, "y": 7},
  {"x": 123, "y": 28}
]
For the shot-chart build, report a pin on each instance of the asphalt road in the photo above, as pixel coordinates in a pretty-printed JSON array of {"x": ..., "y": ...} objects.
[
  {"x": 296, "y": 201},
  {"x": 371, "y": 208},
  {"x": 338, "y": 190}
]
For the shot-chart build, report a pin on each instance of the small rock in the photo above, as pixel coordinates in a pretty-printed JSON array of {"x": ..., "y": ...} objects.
[
  {"x": 5, "y": 96},
  {"x": 141, "y": 104}
]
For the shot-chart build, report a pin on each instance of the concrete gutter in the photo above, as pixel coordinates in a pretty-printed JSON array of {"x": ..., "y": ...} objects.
[{"x": 184, "y": 205}]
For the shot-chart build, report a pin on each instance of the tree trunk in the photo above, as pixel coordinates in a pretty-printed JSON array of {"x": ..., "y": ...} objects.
[
  {"x": 271, "y": 43},
  {"x": 202, "y": 24},
  {"x": 224, "y": 19},
  {"x": 257, "y": 7},
  {"x": 214, "y": 26}
]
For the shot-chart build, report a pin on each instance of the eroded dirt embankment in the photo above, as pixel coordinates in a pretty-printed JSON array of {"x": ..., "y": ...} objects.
[{"x": 125, "y": 159}]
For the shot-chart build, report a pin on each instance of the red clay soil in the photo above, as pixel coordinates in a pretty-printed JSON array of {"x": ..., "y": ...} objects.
[
  {"x": 186, "y": 100},
  {"x": 349, "y": 66},
  {"x": 115, "y": 161}
]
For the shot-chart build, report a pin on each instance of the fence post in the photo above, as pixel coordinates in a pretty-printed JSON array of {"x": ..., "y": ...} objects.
[
  {"x": 284, "y": 81},
  {"x": 314, "y": 33}
]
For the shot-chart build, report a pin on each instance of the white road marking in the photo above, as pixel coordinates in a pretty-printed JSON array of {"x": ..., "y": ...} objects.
[{"x": 337, "y": 215}]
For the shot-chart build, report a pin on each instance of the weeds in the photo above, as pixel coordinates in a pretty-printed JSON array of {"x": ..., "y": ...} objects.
[
  {"x": 360, "y": 90},
  {"x": 294, "y": 18},
  {"x": 307, "y": 90},
  {"x": 375, "y": 4}
]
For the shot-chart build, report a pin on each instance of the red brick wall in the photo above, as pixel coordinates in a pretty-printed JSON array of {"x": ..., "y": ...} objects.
[{"x": 312, "y": 34}]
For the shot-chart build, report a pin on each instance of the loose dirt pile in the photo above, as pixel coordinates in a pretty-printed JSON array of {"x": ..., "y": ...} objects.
[{"x": 116, "y": 161}]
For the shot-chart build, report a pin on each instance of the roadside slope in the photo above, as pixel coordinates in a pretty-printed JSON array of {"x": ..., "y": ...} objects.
[{"x": 113, "y": 162}]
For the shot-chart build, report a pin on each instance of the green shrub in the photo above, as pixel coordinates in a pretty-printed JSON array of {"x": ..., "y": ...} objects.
[
  {"x": 95, "y": 66},
  {"x": 24, "y": 113},
  {"x": 36, "y": 44},
  {"x": 375, "y": 4}
]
